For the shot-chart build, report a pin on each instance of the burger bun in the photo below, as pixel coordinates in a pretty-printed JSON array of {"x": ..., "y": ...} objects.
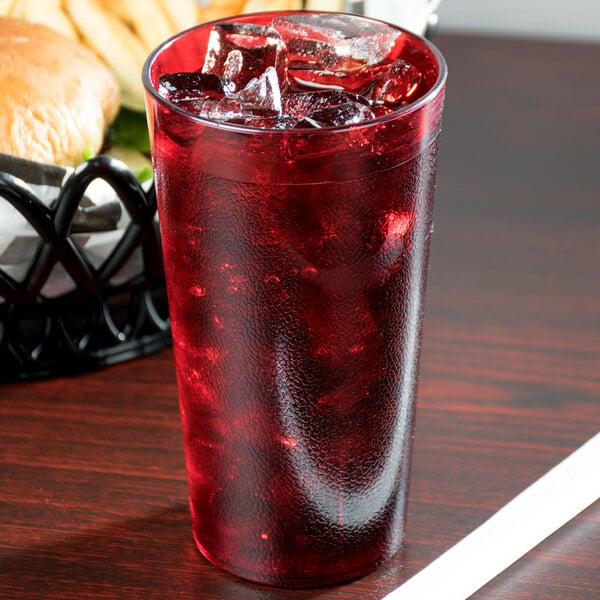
[{"x": 57, "y": 97}]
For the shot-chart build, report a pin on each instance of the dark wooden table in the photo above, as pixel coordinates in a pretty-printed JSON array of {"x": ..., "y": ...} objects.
[{"x": 92, "y": 483}]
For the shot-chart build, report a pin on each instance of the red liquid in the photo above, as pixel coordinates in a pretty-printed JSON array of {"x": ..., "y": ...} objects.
[{"x": 296, "y": 267}]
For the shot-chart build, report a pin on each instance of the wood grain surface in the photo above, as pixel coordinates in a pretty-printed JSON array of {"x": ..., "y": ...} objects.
[{"x": 93, "y": 498}]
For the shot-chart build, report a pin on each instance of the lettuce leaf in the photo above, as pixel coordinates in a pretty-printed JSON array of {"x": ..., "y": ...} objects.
[{"x": 130, "y": 128}]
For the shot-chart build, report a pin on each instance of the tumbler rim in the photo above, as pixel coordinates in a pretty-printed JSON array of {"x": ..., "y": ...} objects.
[{"x": 429, "y": 96}]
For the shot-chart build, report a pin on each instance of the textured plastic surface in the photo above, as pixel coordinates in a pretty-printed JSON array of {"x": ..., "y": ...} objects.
[{"x": 296, "y": 265}]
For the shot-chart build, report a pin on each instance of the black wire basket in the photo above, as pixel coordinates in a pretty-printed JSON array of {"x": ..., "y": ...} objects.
[{"x": 101, "y": 320}]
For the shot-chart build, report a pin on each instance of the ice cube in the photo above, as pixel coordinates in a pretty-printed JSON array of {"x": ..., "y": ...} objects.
[
  {"x": 301, "y": 104},
  {"x": 185, "y": 87},
  {"x": 348, "y": 113},
  {"x": 226, "y": 110},
  {"x": 357, "y": 81},
  {"x": 397, "y": 84},
  {"x": 242, "y": 51},
  {"x": 233, "y": 65},
  {"x": 258, "y": 104},
  {"x": 262, "y": 92},
  {"x": 319, "y": 54},
  {"x": 336, "y": 42},
  {"x": 264, "y": 122}
]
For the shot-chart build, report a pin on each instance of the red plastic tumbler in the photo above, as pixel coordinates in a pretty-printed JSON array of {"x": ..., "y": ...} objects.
[{"x": 296, "y": 262}]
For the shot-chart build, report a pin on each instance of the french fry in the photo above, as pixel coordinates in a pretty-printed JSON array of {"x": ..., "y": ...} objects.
[
  {"x": 217, "y": 9},
  {"x": 253, "y": 6},
  {"x": 6, "y": 7},
  {"x": 17, "y": 9},
  {"x": 327, "y": 5},
  {"x": 115, "y": 43},
  {"x": 182, "y": 14},
  {"x": 46, "y": 12},
  {"x": 145, "y": 17}
]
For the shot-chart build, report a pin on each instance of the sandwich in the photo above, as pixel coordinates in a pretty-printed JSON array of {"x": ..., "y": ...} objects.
[{"x": 57, "y": 98}]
